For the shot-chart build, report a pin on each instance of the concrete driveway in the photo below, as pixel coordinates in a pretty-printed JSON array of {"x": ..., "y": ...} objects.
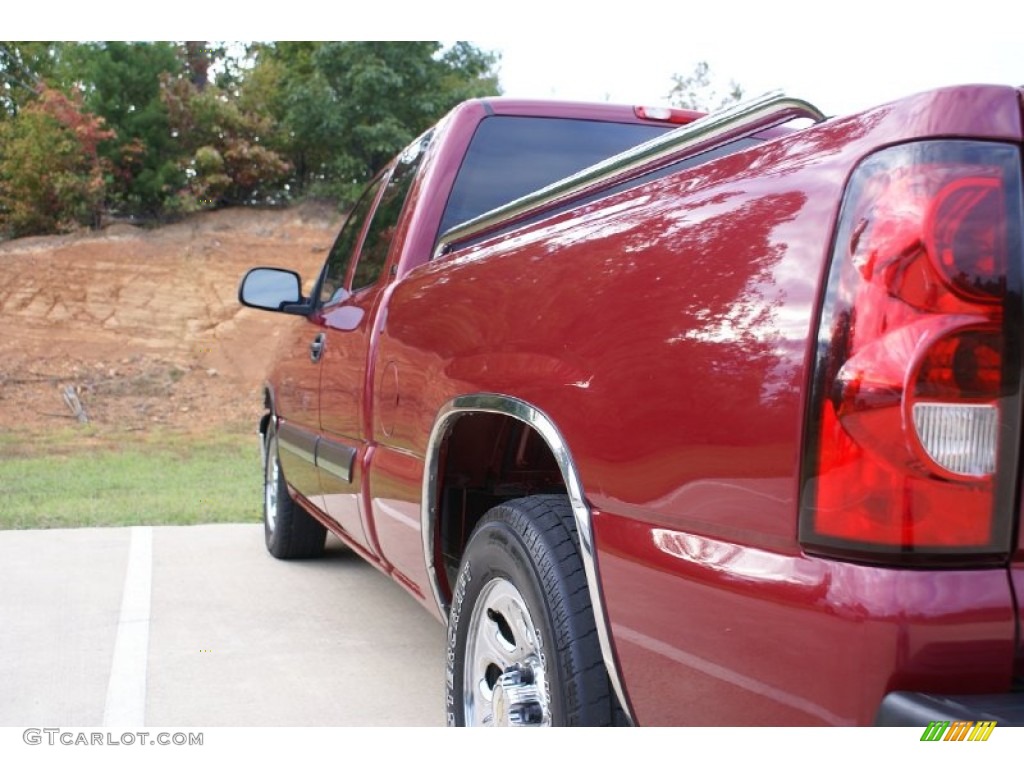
[{"x": 199, "y": 626}]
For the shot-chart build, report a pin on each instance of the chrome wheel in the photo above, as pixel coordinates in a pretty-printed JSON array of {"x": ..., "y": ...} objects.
[
  {"x": 522, "y": 646},
  {"x": 290, "y": 531},
  {"x": 505, "y": 683},
  {"x": 271, "y": 484}
]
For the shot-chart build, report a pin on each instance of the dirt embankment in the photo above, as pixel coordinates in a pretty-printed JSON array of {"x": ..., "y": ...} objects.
[{"x": 144, "y": 324}]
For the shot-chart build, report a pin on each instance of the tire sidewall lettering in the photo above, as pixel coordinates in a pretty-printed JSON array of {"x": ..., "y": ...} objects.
[
  {"x": 451, "y": 657},
  {"x": 523, "y": 543}
]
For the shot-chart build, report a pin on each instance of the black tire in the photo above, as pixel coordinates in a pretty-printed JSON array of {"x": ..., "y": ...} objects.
[
  {"x": 522, "y": 571},
  {"x": 291, "y": 532}
]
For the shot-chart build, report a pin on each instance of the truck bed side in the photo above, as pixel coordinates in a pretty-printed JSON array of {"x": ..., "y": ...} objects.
[{"x": 666, "y": 331}]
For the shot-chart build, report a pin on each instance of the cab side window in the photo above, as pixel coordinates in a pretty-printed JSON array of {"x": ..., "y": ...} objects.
[
  {"x": 332, "y": 284},
  {"x": 374, "y": 254}
]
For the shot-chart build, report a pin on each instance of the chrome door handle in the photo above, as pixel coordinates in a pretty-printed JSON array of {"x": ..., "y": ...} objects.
[{"x": 316, "y": 347}]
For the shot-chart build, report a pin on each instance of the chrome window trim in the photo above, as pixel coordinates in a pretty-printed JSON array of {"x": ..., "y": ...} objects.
[{"x": 522, "y": 411}]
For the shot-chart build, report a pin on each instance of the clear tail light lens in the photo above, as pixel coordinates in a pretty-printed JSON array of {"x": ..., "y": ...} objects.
[
  {"x": 960, "y": 439},
  {"x": 913, "y": 427}
]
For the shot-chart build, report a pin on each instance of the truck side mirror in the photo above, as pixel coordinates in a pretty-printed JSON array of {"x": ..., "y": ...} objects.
[{"x": 273, "y": 289}]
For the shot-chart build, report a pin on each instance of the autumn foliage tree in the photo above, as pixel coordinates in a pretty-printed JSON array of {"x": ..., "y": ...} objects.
[
  {"x": 25, "y": 66},
  {"x": 220, "y": 147},
  {"x": 52, "y": 177},
  {"x": 154, "y": 129}
]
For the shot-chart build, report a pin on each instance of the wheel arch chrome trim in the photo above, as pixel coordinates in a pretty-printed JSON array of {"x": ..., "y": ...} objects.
[
  {"x": 535, "y": 418},
  {"x": 263, "y": 426}
]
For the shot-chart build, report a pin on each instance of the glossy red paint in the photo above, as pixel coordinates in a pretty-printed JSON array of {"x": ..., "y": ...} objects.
[
  {"x": 418, "y": 232},
  {"x": 1017, "y": 580},
  {"x": 1017, "y": 576},
  {"x": 346, "y": 366},
  {"x": 710, "y": 632},
  {"x": 338, "y": 398},
  {"x": 667, "y": 331}
]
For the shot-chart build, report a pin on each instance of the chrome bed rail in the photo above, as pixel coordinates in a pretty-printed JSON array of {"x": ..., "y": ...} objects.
[{"x": 744, "y": 119}]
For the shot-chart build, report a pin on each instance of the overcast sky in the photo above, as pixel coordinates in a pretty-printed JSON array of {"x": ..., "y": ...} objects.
[
  {"x": 842, "y": 55},
  {"x": 825, "y": 73}
]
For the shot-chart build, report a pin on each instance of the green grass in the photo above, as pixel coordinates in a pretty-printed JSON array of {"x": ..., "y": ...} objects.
[{"x": 85, "y": 478}]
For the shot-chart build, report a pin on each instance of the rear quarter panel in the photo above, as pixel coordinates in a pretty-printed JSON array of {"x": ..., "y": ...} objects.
[{"x": 665, "y": 331}]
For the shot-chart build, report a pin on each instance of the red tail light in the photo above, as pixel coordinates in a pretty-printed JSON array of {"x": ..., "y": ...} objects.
[{"x": 911, "y": 441}]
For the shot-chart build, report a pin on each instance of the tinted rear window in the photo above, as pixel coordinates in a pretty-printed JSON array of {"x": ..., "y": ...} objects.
[{"x": 512, "y": 156}]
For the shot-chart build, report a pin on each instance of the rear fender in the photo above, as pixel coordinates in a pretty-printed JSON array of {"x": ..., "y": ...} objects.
[{"x": 545, "y": 427}]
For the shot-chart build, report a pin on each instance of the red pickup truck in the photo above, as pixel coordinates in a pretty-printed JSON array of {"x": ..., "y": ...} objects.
[{"x": 678, "y": 419}]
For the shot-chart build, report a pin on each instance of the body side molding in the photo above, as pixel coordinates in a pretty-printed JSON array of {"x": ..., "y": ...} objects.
[
  {"x": 298, "y": 441},
  {"x": 336, "y": 458}
]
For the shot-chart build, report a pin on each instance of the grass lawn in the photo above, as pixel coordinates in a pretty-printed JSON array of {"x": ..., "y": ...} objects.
[{"x": 84, "y": 478}]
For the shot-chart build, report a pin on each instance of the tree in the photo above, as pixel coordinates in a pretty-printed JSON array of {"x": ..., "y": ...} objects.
[
  {"x": 198, "y": 57},
  {"x": 176, "y": 124},
  {"x": 25, "y": 66},
  {"x": 222, "y": 153},
  {"x": 696, "y": 91},
  {"x": 345, "y": 108},
  {"x": 51, "y": 171},
  {"x": 123, "y": 86}
]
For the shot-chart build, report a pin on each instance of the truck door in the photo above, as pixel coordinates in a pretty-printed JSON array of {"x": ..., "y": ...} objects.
[
  {"x": 338, "y": 350},
  {"x": 349, "y": 352}
]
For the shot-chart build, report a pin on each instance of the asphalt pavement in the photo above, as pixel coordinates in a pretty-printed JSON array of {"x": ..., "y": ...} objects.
[{"x": 200, "y": 626}]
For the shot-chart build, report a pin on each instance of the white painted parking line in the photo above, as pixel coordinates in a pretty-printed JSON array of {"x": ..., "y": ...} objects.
[
  {"x": 126, "y": 691},
  {"x": 229, "y": 635}
]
